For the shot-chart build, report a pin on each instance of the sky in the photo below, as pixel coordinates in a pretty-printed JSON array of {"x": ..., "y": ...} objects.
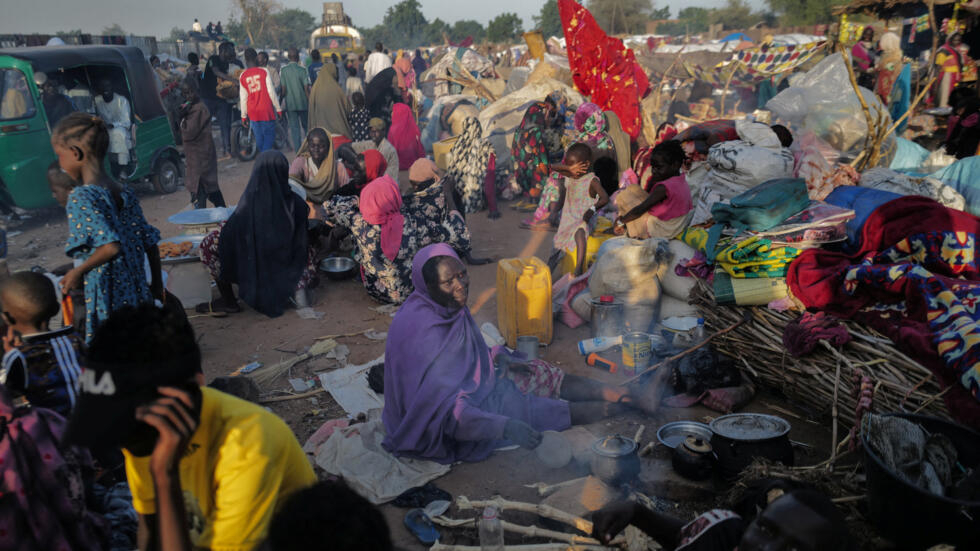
[{"x": 157, "y": 17}]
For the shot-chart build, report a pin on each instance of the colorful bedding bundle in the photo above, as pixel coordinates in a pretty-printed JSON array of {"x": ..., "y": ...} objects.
[
  {"x": 750, "y": 257},
  {"x": 916, "y": 279}
]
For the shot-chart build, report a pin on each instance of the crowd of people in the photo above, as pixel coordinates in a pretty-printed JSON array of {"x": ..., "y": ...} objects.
[{"x": 208, "y": 470}]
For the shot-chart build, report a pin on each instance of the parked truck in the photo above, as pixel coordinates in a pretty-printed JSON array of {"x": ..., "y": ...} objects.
[{"x": 336, "y": 35}]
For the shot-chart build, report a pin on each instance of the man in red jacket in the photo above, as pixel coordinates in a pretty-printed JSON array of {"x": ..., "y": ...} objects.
[{"x": 259, "y": 103}]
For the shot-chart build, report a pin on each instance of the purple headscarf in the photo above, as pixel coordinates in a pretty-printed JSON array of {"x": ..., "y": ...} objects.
[{"x": 437, "y": 373}]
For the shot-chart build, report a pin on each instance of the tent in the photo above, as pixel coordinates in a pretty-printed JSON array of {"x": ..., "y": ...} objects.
[{"x": 736, "y": 36}]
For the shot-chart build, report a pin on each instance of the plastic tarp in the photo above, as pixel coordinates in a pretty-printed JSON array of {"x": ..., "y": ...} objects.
[
  {"x": 964, "y": 177},
  {"x": 823, "y": 101},
  {"x": 888, "y": 180}
]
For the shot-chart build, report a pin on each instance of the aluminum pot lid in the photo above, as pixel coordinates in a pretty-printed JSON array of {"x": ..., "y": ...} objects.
[
  {"x": 614, "y": 446},
  {"x": 750, "y": 427}
]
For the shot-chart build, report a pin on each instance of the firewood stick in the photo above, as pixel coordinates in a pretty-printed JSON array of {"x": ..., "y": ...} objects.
[
  {"x": 675, "y": 357},
  {"x": 530, "y": 531},
  {"x": 579, "y": 523},
  {"x": 437, "y": 546}
]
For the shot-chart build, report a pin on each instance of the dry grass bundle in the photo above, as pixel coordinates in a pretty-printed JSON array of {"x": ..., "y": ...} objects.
[{"x": 900, "y": 383}]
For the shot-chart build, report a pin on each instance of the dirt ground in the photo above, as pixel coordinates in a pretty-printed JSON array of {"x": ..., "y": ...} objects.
[{"x": 232, "y": 342}]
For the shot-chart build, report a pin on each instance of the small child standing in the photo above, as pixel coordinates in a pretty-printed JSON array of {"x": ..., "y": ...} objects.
[
  {"x": 359, "y": 118},
  {"x": 109, "y": 238},
  {"x": 662, "y": 207},
  {"x": 41, "y": 364},
  {"x": 583, "y": 197}
]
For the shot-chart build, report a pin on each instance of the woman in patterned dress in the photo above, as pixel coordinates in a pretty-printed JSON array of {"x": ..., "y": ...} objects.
[
  {"x": 389, "y": 231},
  {"x": 531, "y": 151}
]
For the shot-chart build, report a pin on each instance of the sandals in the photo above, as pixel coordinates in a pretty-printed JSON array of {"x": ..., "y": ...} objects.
[
  {"x": 542, "y": 225},
  {"x": 214, "y": 311},
  {"x": 421, "y": 526}
]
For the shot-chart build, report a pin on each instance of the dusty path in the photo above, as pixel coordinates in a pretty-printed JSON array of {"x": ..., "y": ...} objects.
[{"x": 243, "y": 338}]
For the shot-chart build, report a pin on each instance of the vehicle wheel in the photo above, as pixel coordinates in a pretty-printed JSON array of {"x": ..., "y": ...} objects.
[
  {"x": 167, "y": 176},
  {"x": 243, "y": 143},
  {"x": 282, "y": 139}
]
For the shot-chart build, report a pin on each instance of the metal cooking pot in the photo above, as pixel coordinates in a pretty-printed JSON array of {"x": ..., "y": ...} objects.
[
  {"x": 693, "y": 458},
  {"x": 615, "y": 459},
  {"x": 741, "y": 437}
]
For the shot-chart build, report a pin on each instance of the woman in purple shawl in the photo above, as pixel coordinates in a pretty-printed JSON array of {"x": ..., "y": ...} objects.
[{"x": 443, "y": 399}]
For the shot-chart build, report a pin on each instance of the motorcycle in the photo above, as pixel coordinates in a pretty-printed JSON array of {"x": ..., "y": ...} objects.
[{"x": 243, "y": 144}]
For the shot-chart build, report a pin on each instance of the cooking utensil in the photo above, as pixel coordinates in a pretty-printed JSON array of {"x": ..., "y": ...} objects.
[
  {"x": 528, "y": 345},
  {"x": 614, "y": 459},
  {"x": 915, "y": 518},
  {"x": 693, "y": 459},
  {"x": 554, "y": 451},
  {"x": 197, "y": 217},
  {"x": 191, "y": 256},
  {"x": 673, "y": 434},
  {"x": 338, "y": 268},
  {"x": 741, "y": 437}
]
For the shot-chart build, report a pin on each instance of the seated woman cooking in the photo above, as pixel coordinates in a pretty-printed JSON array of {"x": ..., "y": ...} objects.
[
  {"x": 389, "y": 231},
  {"x": 263, "y": 247},
  {"x": 444, "y": 399}
]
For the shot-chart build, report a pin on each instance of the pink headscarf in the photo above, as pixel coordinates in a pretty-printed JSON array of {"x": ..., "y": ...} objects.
[
  {"x": 405, "y": 136},
  {"x": 381, "y": 205}
]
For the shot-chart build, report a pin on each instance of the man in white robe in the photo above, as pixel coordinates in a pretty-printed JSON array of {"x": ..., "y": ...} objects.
[{"x": 115, "y": 111}]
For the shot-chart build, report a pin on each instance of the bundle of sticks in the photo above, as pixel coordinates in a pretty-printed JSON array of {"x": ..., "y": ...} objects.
[{"x": 828, "y": 382}]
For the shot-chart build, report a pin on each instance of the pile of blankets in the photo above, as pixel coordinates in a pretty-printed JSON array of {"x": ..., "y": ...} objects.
[{"x": 915, "y": 278}]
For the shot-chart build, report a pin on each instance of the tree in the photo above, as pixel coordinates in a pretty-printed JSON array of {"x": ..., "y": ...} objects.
[
  {"x": 433, "y": 32},
  {"x": 504, "y": 28},
  {"x": 234, "y": 29},
  {"x": 689, "y": 20},
  {"x": 291, "y": 27},
  {"x": 621, "y": 16},
  {"x": 65, "y": 34},
  {"x": 737, "y": 14},
  {"x": 177, "y": 33},
  {"x": 548, "y": 21},
  {"x": 804, "y": 12},
  {"x": 467, "y": 27},
  {"x": 114, "y": 30},
  {"x": 255, "y": 15},
  {"x": 405, "y": 23}
]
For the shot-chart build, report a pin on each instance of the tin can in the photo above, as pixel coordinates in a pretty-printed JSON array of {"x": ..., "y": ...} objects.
[{"x": 636, "y": 352}]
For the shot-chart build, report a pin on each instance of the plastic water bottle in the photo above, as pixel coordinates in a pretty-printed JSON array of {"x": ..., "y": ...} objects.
[
  {"x": 598, "y": 344},
  {"x": 491, "y": 531}
]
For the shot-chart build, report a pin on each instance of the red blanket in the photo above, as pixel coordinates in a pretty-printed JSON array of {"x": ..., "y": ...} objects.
[
  {"x": 603, "y": 67},
  {"x": 916, "y": 279}
]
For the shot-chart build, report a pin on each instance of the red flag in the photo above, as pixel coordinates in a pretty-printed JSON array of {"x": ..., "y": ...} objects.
[{"x": 603, "y": 67}]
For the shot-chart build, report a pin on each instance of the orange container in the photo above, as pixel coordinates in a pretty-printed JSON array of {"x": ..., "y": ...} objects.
[{"x": 524, "y": 300}]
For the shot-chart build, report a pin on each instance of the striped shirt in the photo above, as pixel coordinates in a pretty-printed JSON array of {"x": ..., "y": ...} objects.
[{"x": 45, "y": 369}]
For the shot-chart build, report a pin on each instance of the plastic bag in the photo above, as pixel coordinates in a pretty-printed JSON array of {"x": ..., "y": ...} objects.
[
  {"x": 630, "y": 270},
  {"x": 888, "y": 180},
  {"x": 823, "y": 101}
]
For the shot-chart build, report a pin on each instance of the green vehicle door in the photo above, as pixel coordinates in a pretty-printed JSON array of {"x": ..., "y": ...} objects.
[{"x": 25, "y": 142}]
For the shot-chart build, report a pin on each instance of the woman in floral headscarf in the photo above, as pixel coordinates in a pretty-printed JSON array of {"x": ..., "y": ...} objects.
[
  {"x": 532, "y": 150},
  {"x": 590, "y": 122}
]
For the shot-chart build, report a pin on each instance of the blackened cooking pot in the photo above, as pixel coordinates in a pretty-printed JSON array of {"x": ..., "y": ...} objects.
[{"x": 739, "y": 438}]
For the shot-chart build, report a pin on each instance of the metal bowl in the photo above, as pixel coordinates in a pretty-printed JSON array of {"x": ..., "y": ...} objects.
[
  {"x": 672, "y": 434},
  {"x": 338, "y": 268}
]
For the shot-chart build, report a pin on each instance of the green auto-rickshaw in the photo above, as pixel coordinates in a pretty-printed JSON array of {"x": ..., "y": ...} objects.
[{"x": 77, "y": 71}]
